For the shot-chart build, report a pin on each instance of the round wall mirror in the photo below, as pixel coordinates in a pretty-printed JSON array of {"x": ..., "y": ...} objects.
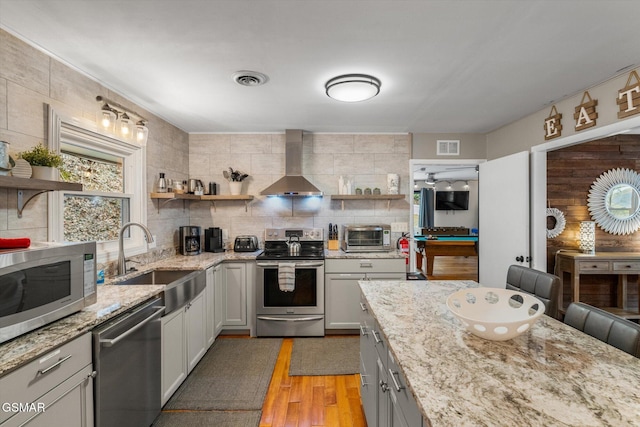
[
  {"x": 614, "y": 201},
  {"x": 622, "y": 201}
]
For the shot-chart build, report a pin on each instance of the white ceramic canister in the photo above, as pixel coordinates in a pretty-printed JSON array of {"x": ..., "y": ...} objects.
[{"x": 393, "y": 183}]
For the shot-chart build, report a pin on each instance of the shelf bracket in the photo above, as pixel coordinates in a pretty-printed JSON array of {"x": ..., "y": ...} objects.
[
  {"x": 23, "y": 203},
  {"x": 162, "y": 202}
]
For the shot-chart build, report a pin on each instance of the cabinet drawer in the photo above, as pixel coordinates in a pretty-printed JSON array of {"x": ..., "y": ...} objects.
[
  {"x": 365, "y": 265},
  {"x": 586, "y": 266},
  {"x": 29, "y": 382},
  {"x": 626, "y": 266}
]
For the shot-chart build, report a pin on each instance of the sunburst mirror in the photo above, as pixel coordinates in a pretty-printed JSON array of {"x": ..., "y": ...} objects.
[{"x": 614, "y": 201}]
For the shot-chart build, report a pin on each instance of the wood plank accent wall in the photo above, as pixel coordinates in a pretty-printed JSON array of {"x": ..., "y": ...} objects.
[{"x": 570, "y": 173}]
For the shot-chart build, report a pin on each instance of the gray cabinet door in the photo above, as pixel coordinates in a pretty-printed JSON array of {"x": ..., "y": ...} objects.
[
  {"x": 341, "y": 303},
  {"x": 235, "y": 294}
]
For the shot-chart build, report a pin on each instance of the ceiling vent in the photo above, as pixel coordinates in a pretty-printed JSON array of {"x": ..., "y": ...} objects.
[{"x": 250, "y": 78}]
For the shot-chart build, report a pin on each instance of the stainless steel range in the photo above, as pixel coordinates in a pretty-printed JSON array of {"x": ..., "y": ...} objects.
[{"x": 290, "y": 283}]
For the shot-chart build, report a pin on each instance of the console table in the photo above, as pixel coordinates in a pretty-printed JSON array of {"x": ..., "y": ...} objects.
[{"x": 619, "y": 263}]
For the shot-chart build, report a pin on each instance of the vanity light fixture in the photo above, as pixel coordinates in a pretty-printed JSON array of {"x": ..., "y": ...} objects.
[
  {"x": 352, "y": 87},
  {"x": 127, "y": 129},
  {"x": 466, "y": 185},
  {"x": 588, "y": 237}
]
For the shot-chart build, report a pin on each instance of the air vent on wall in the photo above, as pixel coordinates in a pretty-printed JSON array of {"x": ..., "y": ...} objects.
[
  {"x": 448, "y": 147},
  {"x": 249, "y": 78}
]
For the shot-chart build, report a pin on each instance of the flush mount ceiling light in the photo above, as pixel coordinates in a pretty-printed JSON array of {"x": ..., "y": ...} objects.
[
  {"x": 250, "y": 78},
  {"x": 352, "y": 87}
]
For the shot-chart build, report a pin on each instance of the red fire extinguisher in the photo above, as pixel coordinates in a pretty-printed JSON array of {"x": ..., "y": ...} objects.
[{"x": 403, "y": 245}]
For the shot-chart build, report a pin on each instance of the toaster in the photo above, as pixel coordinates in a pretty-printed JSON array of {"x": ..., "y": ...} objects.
[{"x": 245, "y": 244}]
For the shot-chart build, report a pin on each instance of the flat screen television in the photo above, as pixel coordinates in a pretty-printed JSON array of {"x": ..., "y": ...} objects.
[{"x": 452, "y": 200}]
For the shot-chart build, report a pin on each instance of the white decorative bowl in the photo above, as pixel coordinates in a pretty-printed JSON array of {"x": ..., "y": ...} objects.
[{"x": 495, "y": 314}]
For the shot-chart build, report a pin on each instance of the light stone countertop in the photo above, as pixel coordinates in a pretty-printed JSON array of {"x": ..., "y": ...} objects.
[
  {"x": 552, "y": 375},
  {"x": 112, "y": 300},
  {"x": 340, "y": 254}
]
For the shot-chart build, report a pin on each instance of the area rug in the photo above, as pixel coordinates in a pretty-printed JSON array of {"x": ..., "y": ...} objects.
[
  {"x": 233, "y": 375},
  {"x": 325, "y": 356},
  {"x": 209, "y": 419}
]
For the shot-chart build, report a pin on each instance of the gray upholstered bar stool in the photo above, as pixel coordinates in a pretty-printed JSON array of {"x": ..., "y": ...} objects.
[
  {"x": 542, "y": 285},
  {"x": 614, "y": 330}
]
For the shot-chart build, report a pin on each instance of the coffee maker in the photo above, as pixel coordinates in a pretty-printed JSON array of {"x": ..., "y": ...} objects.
[
  {"x": 213, "y": 240},
  {"x": 190, "y": 240}
]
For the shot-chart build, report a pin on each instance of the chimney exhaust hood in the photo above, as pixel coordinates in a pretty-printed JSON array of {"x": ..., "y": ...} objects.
[{"x": 292, "y": 184}]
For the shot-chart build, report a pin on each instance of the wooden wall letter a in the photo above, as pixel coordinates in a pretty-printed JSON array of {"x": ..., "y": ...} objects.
[
  {"x": 586, "y": 114},
  {"x": 553, "y": 124}
]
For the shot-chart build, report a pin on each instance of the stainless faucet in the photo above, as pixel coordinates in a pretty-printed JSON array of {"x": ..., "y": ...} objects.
[{"x": 122, "y": 267}]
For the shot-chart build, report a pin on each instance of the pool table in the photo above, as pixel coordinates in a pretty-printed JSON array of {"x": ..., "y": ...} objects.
[{"x": 445, "y": 246}]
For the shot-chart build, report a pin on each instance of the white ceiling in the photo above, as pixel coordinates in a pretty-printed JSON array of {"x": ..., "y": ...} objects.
[{"x": 445, "y": 66}]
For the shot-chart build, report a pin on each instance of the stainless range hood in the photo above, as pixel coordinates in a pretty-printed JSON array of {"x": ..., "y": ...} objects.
[{"x": 292, "y": 184}]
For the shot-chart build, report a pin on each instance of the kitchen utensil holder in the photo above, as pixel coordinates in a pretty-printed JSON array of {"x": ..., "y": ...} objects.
[{"x": 333, "y": 245}]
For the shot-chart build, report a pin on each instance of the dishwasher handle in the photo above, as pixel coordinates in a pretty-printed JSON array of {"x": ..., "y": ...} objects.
[{"x": 116, "y": 340}]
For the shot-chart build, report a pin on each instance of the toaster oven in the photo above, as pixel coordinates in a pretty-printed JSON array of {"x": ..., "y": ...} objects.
[{"x": 366, "y": 238}]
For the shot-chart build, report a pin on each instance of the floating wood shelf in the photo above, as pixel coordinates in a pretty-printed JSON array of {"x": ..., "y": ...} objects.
[
  {"x": 387, "y": 197},
  {"x": 167, "y": 197},
  {"x": 38, "y": 185}
]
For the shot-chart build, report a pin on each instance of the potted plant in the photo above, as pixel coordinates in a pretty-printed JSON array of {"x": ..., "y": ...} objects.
[
  {"x": 235, "y": 178},
  {"x": 44, "y": 163}
]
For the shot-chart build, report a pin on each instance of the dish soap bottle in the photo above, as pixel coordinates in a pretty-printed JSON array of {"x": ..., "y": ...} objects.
[{"x": 161, "y": 187}]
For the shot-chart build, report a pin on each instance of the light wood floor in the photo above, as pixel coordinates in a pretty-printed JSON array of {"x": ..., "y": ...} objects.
[{"x": 331, "y": 401}]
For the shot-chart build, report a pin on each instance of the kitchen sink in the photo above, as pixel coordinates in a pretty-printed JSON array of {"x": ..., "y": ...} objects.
[
  {"x": 181, "y": 286},
  {"x": 157, "y": 277}
]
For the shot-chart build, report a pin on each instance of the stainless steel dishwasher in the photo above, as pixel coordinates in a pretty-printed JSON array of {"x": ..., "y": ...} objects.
[{"x": 126, "y": 353}]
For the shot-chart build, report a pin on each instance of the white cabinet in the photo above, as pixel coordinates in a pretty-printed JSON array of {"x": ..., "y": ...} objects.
[
  {"x": 386, "y": 398},
  {"x": 57, "y": 389},
  {"x": 235, "y": 294},
  {"x": 183, "y": 343},
  {"x": 219, "y": 309},
  {"x": 195, "y": 332},
  {"x": 174, "y": 353},
  {"x": 342, "y": 292},
  {"x": 215, "y": 303}
]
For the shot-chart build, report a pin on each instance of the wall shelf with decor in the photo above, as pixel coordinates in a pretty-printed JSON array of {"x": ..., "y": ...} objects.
[
  {"x": 387, "y": 197},
  {"x": 164, "y": 198},
  {"x": 38, "y": 185}
]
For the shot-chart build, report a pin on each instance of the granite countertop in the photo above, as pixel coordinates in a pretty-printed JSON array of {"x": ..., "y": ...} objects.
[
  {"x": 112, "y": 300},
  {"x": 340, "y": 254},
  {"x": 552, "y": 375}
]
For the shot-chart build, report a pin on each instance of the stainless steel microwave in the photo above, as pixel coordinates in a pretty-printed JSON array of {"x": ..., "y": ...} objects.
[
  {"x": 366, "y": 238},
  {"x": 44, "y": 283}
]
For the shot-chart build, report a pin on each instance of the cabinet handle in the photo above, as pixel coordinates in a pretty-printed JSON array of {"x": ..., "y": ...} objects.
[
  {"x": 395, "y": 382},
  {"x": 363, "y": 331},
  {"x": 363, "y": 307},
  {"x": 376, "y": 337},
  {"x": 366, "y": 265},
  {"x": 362, "y": 382},
  {"x": 55, "y": 365},
  {"x": 384, "y": 386}
]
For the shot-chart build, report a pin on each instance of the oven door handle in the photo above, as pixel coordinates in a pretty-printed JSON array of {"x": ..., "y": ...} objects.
[
  {"x": 286, "y": 319},
  {"x": 298, "y": 264}
]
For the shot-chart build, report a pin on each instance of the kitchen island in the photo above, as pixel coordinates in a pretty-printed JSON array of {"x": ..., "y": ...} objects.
[{"x": 552, "y": 375}]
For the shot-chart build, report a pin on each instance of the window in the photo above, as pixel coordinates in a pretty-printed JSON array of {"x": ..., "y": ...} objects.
[{"x": 112, "y": 173}]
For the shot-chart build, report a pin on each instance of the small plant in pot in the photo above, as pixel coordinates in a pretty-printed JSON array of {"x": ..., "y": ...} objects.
[
  {"x": 235, "y": 178},
  {"x": 45, "y": 163}
]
